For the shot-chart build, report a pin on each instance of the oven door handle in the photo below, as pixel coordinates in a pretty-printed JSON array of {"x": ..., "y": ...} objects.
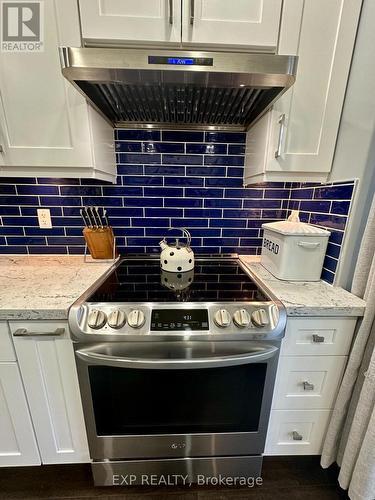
[{"x": 261, "y": 354}]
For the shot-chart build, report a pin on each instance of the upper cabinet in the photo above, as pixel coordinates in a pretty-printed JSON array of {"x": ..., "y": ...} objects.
[
  {"x": 241, "y": 23},
  {"x": 296, "y": 140},
  {"x": 202, "y": 23},
  {"x": 46, "y": 126},
  {"x": 119, "y": 21}
]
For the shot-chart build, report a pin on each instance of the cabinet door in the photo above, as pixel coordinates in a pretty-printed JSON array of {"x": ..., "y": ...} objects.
[
  {"x": 43, "y": 119},
  {"x": 50, "y": 378},
  {"x": 303, "y": 125},
  {"x": 241, "y": 23},
  {"x": 124, "y": 21},
  {"x": 17, "y": 440}
]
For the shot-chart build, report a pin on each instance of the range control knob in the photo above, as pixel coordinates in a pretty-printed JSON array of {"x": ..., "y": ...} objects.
[
  {"x": 242, "y": 318},
  {"x": 260, "y": 317},
  {"x": 97, "y": 319},
  {"x": 136, "y": 318},
  {"x": 222, "y": 318},
  {"x": 116, "y": 319}
]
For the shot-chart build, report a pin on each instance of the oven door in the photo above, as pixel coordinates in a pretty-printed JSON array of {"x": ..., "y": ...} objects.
[{"x": 176, "y": 399}]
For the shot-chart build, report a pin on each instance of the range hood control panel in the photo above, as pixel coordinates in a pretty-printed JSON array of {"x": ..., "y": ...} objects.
[{"x": 181, "y": 61}]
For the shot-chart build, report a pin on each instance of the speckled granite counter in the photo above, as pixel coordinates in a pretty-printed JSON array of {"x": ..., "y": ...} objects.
[
  {"x": 307, "y": 298},
  {"x": 44, "y": 287}
]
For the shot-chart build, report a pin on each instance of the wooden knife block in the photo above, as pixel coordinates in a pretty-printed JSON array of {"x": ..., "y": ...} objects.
[{"x": 100, "y": 242}]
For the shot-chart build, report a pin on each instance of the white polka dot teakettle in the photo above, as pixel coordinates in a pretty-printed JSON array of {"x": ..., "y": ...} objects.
[{"x": 177, "y": 257}]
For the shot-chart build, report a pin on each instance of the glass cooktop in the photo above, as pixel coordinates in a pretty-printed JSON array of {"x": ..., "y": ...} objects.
[{"x": 212, "y": 280}]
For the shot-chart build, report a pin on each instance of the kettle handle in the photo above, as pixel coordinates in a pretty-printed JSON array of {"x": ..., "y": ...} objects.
[{"x": 186, "y": 233}]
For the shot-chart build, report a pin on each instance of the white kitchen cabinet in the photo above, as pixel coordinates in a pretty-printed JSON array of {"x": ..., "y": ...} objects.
[
  {"x": 49, "y": 375},
  {"x": 296, "y": 140},
  {"x": 253, "y": 25},
  {"x": 131, "y": 21},
  {"x": 17, "y": 440},
  {"x": 46, "y": 126},
  {"x": 313, "y": 356}
]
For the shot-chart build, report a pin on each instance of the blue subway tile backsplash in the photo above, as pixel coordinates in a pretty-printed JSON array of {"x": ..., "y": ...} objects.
[{"x": 180, "y": 178}]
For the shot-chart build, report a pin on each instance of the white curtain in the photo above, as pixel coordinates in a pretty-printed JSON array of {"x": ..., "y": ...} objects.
[{"x": 350, "y": 439}]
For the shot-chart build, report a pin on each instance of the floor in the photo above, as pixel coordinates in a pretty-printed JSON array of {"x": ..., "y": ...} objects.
[{"x": 289, "y": 478}]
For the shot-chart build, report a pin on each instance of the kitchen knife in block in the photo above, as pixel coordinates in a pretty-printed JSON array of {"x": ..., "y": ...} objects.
[{"x": 100, "y": 242}]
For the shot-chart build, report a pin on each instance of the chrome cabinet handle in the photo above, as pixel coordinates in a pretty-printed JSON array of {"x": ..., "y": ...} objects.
[
  {"x": 23, "y": 332},
  {"x": 307, "y": 386},
  {"x": 296, "y": 436},
  {"x": 281, "y": 122},
  {"x": 317, "y": 339},
  {"x": 91, "y": 357},
  {"x": 192, "y": 11},
  {"x": 170, "y": 11}
]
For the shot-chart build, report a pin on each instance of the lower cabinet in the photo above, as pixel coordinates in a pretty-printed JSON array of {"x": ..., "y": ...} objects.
[
  {"x": 46, "y": 360},
  {"x": 313, "y": 357},
  {"x": 17, "y": 440}
]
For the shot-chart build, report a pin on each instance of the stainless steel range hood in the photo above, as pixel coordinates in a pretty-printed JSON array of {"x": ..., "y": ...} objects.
[{"x": 185, "y": 89}]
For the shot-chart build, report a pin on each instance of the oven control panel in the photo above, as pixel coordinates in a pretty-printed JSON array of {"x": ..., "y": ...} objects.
[
  {"x": 119, "y": 321},
  {"x": 165, "y": 320}
]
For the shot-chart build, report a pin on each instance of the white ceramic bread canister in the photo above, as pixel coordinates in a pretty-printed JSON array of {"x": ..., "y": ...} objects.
[
  {"x": 293, "y": 250},
  {"x": 177, "y": 257}
]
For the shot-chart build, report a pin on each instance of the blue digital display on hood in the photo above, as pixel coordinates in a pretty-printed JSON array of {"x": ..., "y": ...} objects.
[{"x": 180, "y": 60}]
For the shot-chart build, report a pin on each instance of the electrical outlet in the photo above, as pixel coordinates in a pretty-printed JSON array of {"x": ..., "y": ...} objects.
[{"x": 44, "y": 217}]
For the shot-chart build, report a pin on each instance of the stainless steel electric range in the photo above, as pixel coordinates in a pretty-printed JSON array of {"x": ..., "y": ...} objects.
[{"x": 176, "y": 371}]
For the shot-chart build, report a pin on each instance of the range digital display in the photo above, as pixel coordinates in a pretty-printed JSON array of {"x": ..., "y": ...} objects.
[
  {"x": 163, "y": 320},
  {"x": 181, "y": 61}
]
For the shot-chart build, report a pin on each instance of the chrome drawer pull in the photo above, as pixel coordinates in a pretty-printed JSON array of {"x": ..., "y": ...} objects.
[
  {"x": 307, "y": 386},
  {"x": 318, "y": 339},
  {"x": 192, "y": 10},
  {"x": 296, "y": 436},
  {"x": 281, "y": 122},
  {"x": 23, "y": 332},
  {"x": 170, "y": 16}
]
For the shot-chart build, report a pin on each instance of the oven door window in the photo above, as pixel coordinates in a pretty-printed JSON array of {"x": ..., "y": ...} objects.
[{"x": 130, "y": 401}]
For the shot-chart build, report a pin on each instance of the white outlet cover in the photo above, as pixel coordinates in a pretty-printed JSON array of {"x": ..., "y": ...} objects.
[{"x": 44, "y": 217}]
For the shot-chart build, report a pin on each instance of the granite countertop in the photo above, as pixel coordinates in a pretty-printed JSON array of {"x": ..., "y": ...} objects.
[
  {"x": 307, "y": 298},
  {"x": 44, "y": 287}
]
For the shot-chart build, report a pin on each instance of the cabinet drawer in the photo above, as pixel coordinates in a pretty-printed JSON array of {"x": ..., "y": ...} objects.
[
  {"x": 308, "y": 382},
  {"x": 296, "y": 432},
  {"x": 6, "y": 346},
  {"x": 318, "y": 336}
]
